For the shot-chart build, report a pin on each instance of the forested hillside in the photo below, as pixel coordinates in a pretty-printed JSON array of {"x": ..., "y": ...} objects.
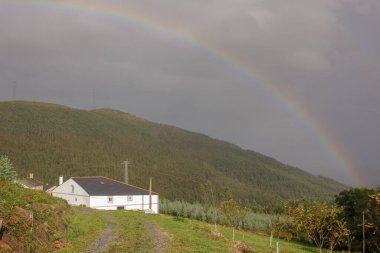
[{"x": 51, "y": 140}]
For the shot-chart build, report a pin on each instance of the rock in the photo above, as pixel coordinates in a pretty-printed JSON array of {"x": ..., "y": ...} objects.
[
  {"x": 58, "y": 244},
  {"x": 215, "y": 235},
  {"x": 240, "y": 247},
  {"x": 27, "y": 215},
  {"x": 13, "y": 219}
]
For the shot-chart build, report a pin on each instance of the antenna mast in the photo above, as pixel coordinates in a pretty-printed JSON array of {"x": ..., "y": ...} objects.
[
  {"x": 93, "y": 99},
  {"x": 126, "y": 171}
]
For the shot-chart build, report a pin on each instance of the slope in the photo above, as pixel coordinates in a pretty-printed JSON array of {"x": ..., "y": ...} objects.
[
  {"x": 52, "y": 140},
  {"x": 31, "y": 221}
]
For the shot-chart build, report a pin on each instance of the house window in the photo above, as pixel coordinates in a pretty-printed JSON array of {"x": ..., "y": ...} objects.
[
  {"x": 76, "y": 200},
  {"x": 129, "y": 198},
  {"x": 72, "y": 188},
  {"x": 110, "y": 199}
]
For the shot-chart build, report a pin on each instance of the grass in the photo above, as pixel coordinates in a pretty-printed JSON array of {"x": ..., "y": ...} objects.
[
  {"x": 194, "y": 236},
  {"x": 132, "y": 234},
  {"x": 181, "y": 234},
  {"x": 30, "y": 218},
  {"x": 189, "y": 235},
  {"x": 84, "y": 226},
  {"x": 260, "y": 242},
  {"x": 133, "y": 231}
]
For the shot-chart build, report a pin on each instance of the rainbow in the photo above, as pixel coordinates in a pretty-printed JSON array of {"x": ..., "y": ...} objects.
[{"x": 176, "y": 32}]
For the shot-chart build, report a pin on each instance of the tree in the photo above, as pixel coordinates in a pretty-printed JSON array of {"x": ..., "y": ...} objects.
[
  {"x": 280, "y": 228},
  {"x": 208, "y": 193},
  {"x": 6, "y": 169},
  {"x": 319, "y": 222},
  {"x": 376, "y": 198},
  {"x": 338, "y": 233},
  {"x": 234, "y": 213},
  {"x": 353, "y": 203}
]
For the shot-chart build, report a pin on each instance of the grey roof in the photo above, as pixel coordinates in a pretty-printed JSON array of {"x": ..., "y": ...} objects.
[
  {"x": 31, "y": 182},
  {"x": 103, "y": 186}
]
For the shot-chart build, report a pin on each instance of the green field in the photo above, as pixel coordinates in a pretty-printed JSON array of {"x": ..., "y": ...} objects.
[
  {"x": 55, "y": 225},
  {"x": 139, "y": 232},
  {"x": 194, "y": 236}
]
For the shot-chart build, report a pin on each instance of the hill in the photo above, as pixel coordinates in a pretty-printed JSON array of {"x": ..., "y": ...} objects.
[{"x": 51, "y": 140}]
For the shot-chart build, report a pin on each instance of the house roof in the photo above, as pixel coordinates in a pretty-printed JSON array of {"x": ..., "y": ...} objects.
[
  {"x": 103, "y": 186},
  {"x": 31, "y": 182},
  {"x": 48, "y": 187}
]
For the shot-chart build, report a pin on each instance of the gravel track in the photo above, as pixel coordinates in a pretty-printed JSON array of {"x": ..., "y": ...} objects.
[
  {"x": 101, "y": 243},
  {"x": 158, "y": 243}
]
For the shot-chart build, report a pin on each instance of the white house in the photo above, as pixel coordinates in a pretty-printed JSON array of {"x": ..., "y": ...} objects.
[{"x": 105, "y": 193}]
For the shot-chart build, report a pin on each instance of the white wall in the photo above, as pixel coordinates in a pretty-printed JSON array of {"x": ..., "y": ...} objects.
[
  {"x": 81, "y": 197},
  {"x": 138, "y": 202},
  {"x": 76, "y": 198}
]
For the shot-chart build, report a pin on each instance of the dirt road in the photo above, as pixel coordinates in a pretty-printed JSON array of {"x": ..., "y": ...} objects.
[
  {"x": 152, "y": 238},
  {"x": 108, "y": 235},
  {"x": 158, "y": 239}
]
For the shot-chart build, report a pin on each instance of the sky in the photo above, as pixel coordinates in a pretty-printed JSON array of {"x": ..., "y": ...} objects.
[{"x": 297, "y": 80}]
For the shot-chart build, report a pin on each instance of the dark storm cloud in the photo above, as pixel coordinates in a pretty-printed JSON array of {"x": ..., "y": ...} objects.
[{"x": 324, "y": 54}]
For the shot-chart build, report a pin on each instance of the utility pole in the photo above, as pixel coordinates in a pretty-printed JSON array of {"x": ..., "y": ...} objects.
[
  {"x": 150, "y": 193},
  {"x": 363, "y": 233},
  {"x": 126, "y": 163}
]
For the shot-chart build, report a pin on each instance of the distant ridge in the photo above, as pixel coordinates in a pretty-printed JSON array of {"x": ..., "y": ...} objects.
[{"x": 51, "y": 140}]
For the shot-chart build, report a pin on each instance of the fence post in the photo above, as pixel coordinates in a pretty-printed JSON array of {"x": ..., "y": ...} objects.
[
  {"x": 32, "y": 218},
  {"x": 270, "y": 239}
]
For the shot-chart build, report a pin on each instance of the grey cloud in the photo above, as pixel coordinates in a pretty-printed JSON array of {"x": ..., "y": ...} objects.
[{"x": 323, "y": 54}]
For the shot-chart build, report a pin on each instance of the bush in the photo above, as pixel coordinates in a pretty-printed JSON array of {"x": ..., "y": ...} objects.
[{"x": 211, "y": 214}]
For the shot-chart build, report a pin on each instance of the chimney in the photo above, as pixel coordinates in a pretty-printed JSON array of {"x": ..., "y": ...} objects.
[
  {"x": 31, "y": 175},
  {"x": 60, "y": 180},
  {"x": 126, "y": 172}
]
